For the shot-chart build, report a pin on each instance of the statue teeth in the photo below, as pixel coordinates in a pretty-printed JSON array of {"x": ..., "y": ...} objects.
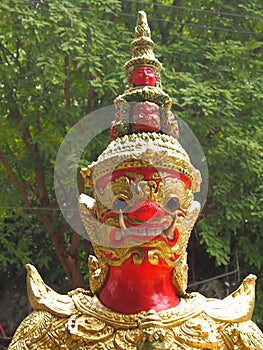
[
  {"x": 169, "y": 233},
  {"x": 146, "y": 232},
  {"x": 121, "y": 220}
]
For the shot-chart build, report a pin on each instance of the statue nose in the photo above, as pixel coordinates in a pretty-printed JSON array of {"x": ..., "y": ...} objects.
[{"x": 146, "y": 210}]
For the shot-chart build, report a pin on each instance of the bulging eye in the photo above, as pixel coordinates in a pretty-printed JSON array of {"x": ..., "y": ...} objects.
[
  {"x": 120, "y": 204},
  {"x": 172, "y": 204}
]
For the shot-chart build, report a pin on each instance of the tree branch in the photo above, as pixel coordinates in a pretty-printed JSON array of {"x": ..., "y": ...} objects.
[
  {"x": 19, "y": 185},
  {"x": 26, "y": 136},
  {"x": 5, "y": 49},
  {"x": 75, "y": 242},
  {"x": 173, "y": 11}
]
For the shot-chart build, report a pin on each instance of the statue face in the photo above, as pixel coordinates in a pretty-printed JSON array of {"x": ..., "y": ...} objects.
[
  {"x": 143, "y": 205},
  {"x": 145, "y": 117},
  {"x": 144, "y": 76},
  {"x": 144, "y": 209}
]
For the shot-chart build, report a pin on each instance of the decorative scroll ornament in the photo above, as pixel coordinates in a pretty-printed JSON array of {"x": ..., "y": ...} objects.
[
  {"x": 157, "y": 249},
  {"x": 78, "y": 321},
  {"x": 142, "y": 150}
]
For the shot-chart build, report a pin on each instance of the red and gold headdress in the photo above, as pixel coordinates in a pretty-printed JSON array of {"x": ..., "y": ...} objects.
[{"x": 145, "y": 163}]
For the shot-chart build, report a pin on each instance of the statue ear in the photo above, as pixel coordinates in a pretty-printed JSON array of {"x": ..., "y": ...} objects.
[
  {"x": 180, "y": 272},
  {"x": 190, "y": 218},
  {"x": 180, "y": 275},
  {"x": 88, "y": 214}
]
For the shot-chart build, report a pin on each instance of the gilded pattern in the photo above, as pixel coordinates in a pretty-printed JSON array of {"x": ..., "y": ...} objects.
[
  {"x": 142, "y": 150},
  {"x": 194, "y": 324},
  {"x": 158, "y": 249},
  {"x": 121, "y": 183},
  {"x": 132, "y": 191}
]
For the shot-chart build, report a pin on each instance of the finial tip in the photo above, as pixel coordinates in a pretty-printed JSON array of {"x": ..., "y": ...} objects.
[
  {"x": 142, "y": 17},
  {"x": 142, "y": 27}
]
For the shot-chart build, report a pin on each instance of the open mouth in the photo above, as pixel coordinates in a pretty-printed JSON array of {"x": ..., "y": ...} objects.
[
  {"x": 120, "y": 236},
  {"x": 142, "y": 233}
]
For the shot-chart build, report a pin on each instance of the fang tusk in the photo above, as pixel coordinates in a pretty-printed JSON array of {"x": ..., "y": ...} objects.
[
  {"x": 169, "y": 233},
  {"x": 121, "y": 220}
]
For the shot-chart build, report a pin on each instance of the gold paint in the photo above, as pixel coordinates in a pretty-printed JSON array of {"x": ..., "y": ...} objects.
[
  {"x": 98, "y": 271},
  {"x": 175, "y": 187},
  {"x": 90, "y": 222},
  {"x": 134, "y": 175},
  {"x": 119, "y": 188},
  {"x": 152, "y": 332},
  {"x": 180, "y": 274},
  {"x": 196, "y": 323},
  {"x": 132, "y": 192},
  {"x": 143, "y": 150},
  {"x": 158, "y": 248},
  {"x": 138, "y": 256},
  {"x": 78, "y": 321}
]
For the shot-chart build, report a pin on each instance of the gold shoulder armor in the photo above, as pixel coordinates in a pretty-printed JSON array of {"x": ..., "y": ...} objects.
[
  {"x": 32, "y": 329},
  {"x": 42, "y": 297},
  {"x": 238, "y": 306}
]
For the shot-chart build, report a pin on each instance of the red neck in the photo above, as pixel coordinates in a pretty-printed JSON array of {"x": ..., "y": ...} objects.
[{"x": 133, "y": 288}]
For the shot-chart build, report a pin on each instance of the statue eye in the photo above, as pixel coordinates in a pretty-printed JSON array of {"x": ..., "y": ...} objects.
[
  {"x": 120, "y": 204},
  {"x": 173, "y": 204}
]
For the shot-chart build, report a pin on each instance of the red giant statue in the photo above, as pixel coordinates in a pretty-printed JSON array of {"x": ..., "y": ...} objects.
[{"x": 139, "y": 222}]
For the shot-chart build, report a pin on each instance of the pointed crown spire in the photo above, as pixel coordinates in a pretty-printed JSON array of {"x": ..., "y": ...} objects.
[
  {"x": 142, "y": 47},
  {"x": 144, "y": 89}
]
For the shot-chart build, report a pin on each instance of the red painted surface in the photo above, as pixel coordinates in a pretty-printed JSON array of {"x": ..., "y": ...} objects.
[
  {"x": 146, "y": 117},
  {"x": 144, "y": 76},
  {"x": 147, "y": 174},
  {"x": 146, "y": 210},
  {"x": 131, "y": 289},
  {"x": 145, "y": 125}
]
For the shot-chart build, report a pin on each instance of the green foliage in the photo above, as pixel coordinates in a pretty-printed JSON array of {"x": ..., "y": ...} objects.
[
  {"x": 217, "y": 86},
  {"x": 215, "y": 78},
  {"x": 57, "y": 64},
  {"x": 23, "y": 241}
]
